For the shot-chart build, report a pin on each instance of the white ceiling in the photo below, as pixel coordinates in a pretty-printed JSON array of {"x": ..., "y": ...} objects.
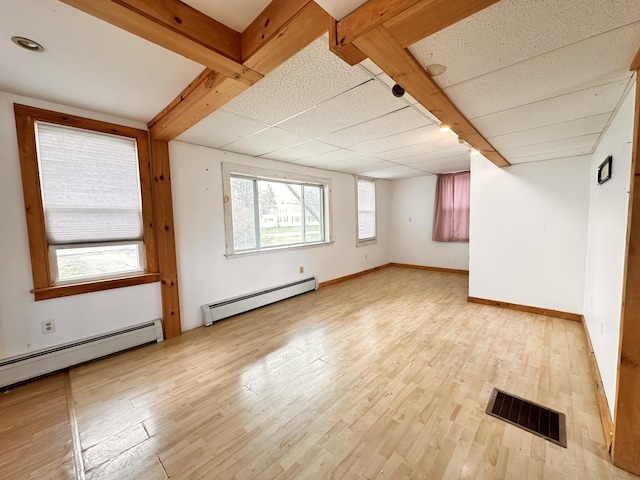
[{"x": 539, "y": 78}]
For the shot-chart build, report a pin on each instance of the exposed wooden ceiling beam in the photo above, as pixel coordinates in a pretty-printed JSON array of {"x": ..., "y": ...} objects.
[
  {"x": 348, "y": 52},
  {"x": 407, "y": 21},
  {"x": 179, "y": 28},
  {"x": 369, "y": 16},
  {"x": 635, "y": 65},
  {"x": 400, "y": 65},
  {"x": 284, "y": 28},
  {"x": 208, "y": 92},
  {"x": 430, "y": 16}
]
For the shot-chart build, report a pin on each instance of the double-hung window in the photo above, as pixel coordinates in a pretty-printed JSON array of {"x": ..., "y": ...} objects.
[
  {"x": 87, "y": 195},
  {"x": 366, "y": 205},
  {"x": 266, "y": 210}
]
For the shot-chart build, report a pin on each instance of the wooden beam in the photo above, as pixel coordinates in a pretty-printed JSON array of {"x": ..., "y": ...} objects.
[
  {"x": 287, "y": 26},
  {"x": 208, "y": 92},
  {"x": 635, "y": 64},
  {"x": 400, "y": 65},
  {"x": 430, "y": 16},
  {"x": 177, "y": 27},
  {"x": 282, "y": 29},
  {"x": 626, "y": 434},
  {"x": 369, "y": 16},
  {"x": 348, "y": 52},
  {"x": 163, "y": 205}
]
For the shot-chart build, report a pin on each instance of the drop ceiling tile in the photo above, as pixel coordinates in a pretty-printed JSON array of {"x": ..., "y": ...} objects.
[
  {"x": 365, "y": 102},
  {"x": 512, "y": 31},
  {"x": 564, "y": 108},
  {"x": 395, "y": 122},
  {"x": 332, "y": 157},
  {"x": 584, "y": 144},
  {"x": 453, "y": 167},
  {"x": 301, "y": 150},
  {"x": 572, "y": 153},
  {"x": 438, "y": 142},
  {"x": 459, "y": 159},
  {"x": 370, "y": 67},
  {"x": 221, "y": 128},
  {"x": 398, "y": 171},
  {"x": 321, "y": 161},
  {"x": 307, "y": 79},
  {"x": 574, "y": 128},
  {"x": 597, "y": 61},
  {"x": 435, "y": 156},
  {"x": 400, "y": 140},
  {"x": 358, "y": 164},
  {"x": 359, "y": 168},
  {"x": 265, "y": 141}
]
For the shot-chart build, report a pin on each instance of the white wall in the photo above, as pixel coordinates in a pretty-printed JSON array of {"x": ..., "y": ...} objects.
[
  {"x": 411, "y": 210},
  {"x": 528, "y": 232},
  {"x": 607, "y": 237},
  {"x": 206, "y": 275},
  {"x": 76, "y": 316}
]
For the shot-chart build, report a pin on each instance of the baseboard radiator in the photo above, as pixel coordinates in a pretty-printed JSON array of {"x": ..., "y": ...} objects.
[
  {"x": 41, "y": 362},
  {"x": 233, "y": 306}
]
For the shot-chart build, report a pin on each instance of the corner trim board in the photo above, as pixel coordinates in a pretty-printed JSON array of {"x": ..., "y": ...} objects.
[
  {"x": 353, "y": 275},
  {"x": 431, "y": 269},
  {"x": 603, "y": 404},
  {"x": 575, "y": 317}
]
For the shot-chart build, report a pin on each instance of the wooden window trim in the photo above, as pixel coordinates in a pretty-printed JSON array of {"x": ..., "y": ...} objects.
[{"x": 43, "y": 287}]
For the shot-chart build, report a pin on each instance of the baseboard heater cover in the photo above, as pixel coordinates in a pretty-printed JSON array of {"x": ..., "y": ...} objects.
[
  {"x": 213, "y": 312},
  {"x": 41, "y": 362}
]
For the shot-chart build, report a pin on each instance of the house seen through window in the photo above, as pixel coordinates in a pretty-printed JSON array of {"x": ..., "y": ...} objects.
[{"x": 266, "y": 213}]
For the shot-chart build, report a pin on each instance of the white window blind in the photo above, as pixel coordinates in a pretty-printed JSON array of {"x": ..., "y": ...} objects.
[
  {"x": 90, "y": 186},
  {"x": 366, "y": 209}
]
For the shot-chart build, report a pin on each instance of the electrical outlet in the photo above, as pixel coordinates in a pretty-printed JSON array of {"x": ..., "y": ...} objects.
[
  {"x": 602, "y": 328},
  {"x": 48, "y": 326},
  {"x": 301, "y": 269},
  {"x": 366, "y": 257}
]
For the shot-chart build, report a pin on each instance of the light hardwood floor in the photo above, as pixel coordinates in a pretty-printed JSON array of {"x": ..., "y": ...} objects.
[{"x": 383, "y": 376}]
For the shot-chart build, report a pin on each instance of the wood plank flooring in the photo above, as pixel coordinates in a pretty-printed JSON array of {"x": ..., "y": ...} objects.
[
  {"x": 35, "y": 435},
  {"x": 383, "y": 376}
]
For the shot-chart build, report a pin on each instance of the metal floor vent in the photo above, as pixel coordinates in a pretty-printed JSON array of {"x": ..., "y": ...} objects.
[{"x": 529, "y": 416}]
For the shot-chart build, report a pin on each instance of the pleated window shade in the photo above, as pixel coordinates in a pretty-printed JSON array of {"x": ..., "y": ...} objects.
[
  {"x": 366, "y": 209},
  {"x": 90, "y": 186}
]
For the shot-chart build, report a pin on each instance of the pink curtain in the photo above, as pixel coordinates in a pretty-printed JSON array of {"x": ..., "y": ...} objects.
[{"x": 451, "y": 210}]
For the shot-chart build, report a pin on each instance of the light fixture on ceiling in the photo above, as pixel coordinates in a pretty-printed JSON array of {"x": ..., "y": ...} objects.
[
  {"x": 27, "y": 44},
  {"x": 397, "y": 90},
  {"x": 474, "y": 151},
  {"x": 436, "y": 69},
  {"x": 444, "y": 128}
]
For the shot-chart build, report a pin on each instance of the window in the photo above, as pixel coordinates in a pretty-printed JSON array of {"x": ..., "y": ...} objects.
[
  {"x": 451, "y": 207},
  {"x": 366, "y": 204},
  {"x": 88, "y": 200},
  {"x": 267, "y": 210}
]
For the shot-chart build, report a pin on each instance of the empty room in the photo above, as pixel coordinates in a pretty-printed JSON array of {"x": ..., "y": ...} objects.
[{"x": 254, "y": 239}]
